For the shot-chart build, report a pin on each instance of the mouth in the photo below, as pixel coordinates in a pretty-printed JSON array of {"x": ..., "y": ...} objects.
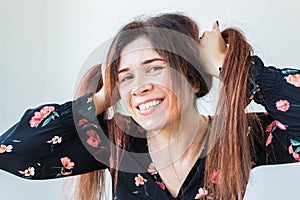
[{"x": 149, "y": 104}]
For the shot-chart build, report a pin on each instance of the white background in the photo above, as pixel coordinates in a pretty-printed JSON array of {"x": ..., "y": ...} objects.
[{"x": 43, "y": 44}]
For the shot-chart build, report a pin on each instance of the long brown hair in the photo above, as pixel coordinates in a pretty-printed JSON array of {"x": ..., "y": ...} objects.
[{"x": 230, "y": 156}]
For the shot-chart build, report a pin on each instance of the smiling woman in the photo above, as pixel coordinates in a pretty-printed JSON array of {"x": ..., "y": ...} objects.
[
  {"x": 155, "y": 82},
  {"x": 165, "y": 149},
  {"x": 144, "y": 84}
]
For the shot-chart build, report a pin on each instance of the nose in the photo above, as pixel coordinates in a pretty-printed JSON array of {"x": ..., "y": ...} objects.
[{"x": 142, "y": 90}]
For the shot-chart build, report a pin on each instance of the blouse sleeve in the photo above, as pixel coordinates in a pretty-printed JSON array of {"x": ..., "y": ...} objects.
[
  {"x": 49, "y": 141},
  {"x": 278, "y": 90}
]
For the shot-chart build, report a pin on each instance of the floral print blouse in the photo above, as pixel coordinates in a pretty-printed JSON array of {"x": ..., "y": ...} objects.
[{"x": 53, "y": 140}]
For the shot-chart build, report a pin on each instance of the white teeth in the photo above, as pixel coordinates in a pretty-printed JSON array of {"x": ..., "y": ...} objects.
[
  {"x": 142, "y": 107},
  {"x": 146, "y": 106}
]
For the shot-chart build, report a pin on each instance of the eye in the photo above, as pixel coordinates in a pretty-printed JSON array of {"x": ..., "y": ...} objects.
[
  {"x": 155, "y": 69},
  {"x": 125, "y": 78}
]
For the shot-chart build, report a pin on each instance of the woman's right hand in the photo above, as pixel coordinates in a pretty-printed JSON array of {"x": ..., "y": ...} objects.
[{"x": 213, "y": 50}]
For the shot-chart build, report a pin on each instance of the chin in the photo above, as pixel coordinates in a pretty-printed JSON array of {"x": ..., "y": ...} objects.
[{"x": 152, "y": 125}]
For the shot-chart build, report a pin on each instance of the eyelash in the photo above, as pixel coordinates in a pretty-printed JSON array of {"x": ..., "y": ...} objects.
[
  {"x": 155, "y": 67},
  {"x": 127, "y": 77},
  {"x": 123, "y": 79}
]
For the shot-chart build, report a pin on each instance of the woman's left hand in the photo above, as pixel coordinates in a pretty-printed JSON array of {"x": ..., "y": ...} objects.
[{"x": 213, "y": 50}]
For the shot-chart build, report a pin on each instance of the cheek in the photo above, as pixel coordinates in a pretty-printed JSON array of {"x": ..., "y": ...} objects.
[
  {"x": 125, "y": 95},
  {"x": 173, "y": 103},
  {"x": 179, "y": 92},
  {"x": 178, "y": 84}
]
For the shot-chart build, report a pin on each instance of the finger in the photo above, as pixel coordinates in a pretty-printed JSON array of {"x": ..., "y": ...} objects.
[
  {"x": 201, "y": 36},
  {"x": 216, "y": 26}
]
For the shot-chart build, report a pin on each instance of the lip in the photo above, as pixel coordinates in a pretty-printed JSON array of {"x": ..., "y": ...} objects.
[{"x": 150, "y": 110}]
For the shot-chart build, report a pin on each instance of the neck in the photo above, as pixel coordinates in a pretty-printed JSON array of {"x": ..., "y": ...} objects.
[{"x": 185, "y": 138}]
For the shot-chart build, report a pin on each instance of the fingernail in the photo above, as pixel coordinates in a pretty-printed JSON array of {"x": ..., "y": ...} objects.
[{"x": 217, "y": 23}]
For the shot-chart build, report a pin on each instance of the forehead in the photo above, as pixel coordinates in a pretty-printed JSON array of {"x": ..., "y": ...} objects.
[{"x": 136, "y": 52}]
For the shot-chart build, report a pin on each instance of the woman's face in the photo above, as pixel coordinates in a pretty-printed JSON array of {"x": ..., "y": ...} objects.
[{"x": 146, "y": 88}]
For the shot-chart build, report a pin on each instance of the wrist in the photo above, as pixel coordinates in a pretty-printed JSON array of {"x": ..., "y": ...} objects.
[
  {"x": 218, "y": 65},
  {"x": 99, "y": 101}
]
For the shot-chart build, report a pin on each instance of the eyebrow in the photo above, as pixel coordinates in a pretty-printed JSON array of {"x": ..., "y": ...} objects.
[{"x": 143, "y": 63}]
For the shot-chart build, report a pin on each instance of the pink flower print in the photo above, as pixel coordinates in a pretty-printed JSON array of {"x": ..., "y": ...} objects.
[
  {"x": 82, "y": 122},
  {"x": 28, "y": 172},
  {"x": 151, "y": 169},
  {"x": 161, "y": 185},
  {"x": 269, "y": 139},
  {"x": 94, "y": 138},
  {"x": 295, "y": 155},
  {"x": 252, "y": 164},
  {"x": 294, "y": 80},
  {"x": 215, "y": 177},
  {"x": 66, "y": 162},
  {"x": 39, "y": 116},
  {"x": 280, "y": 125},
  {"x": 65, "y": 173},
  {"x": 55, "y": 140},
  {"x": 139, "y": 180},
  {"x": 47, "y": 110},
  {"x": 282, "y": 105},
  {"x": 67, "y": 166},
  {"x": 4, "y": 148},
  {"x": 202, "y": 192},
  {"x": 291, "y": 150},
  {"x": 276, "y": 123},
  {"x": 271, "y": 127},
  {"x": 36, "y": 119}
]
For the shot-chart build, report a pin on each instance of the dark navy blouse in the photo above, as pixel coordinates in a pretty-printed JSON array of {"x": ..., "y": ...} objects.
[{"x": 53, "y": 140}]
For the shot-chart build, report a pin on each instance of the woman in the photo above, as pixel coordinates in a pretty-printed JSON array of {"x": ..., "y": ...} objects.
[{"x": 165, "y": 149}]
